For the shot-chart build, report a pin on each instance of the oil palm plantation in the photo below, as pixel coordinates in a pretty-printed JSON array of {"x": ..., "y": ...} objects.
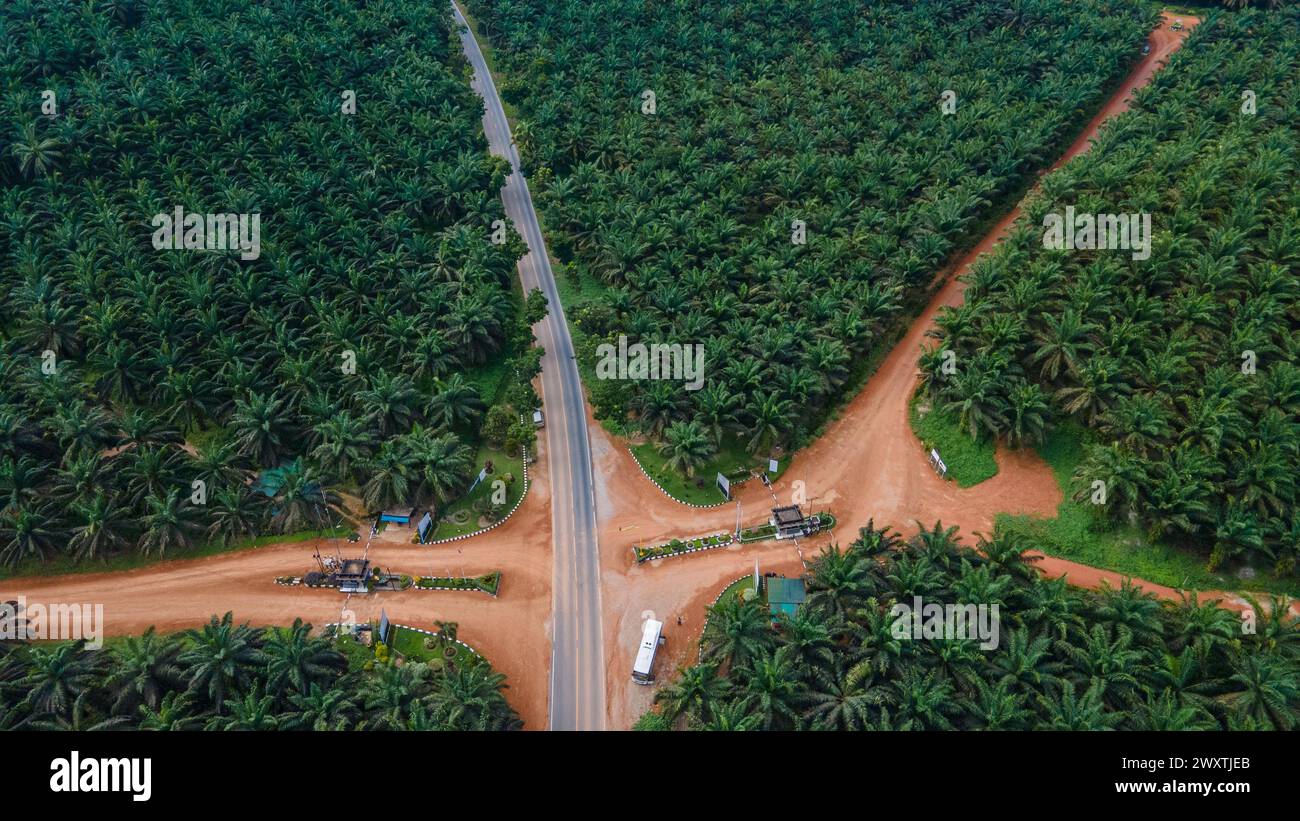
[{"x": 1065, "y": 658}]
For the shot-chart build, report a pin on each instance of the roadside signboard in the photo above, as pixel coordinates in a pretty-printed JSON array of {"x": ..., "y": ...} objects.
[
  {"x": 383, "y": 625},
  {"x": 771, "y": 465},
  {"x": 482, "y": 474},
  {"x": 937, "y": 463},
  {"x": 425, "y": 527},
  {"x": 725, "y": 486}
]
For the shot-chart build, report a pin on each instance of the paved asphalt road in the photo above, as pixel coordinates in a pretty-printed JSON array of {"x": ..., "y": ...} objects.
[{"x": 577, "y": 699}]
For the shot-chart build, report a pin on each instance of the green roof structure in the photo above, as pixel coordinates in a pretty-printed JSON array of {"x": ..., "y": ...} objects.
[{"x": 784, "y": 595}]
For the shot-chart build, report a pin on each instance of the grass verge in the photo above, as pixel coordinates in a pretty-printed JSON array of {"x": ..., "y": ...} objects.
[
  {"x": 1079, "y": 535},
  {"x": 969, "y": 461},
  {"x": 411, "y": 645},
  {"x": 462, "y": 516},
  {"x": 731, "y": 460}
]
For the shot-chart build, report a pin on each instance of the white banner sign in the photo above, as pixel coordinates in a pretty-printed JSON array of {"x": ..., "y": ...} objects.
[{"x": 725, "y": 486}]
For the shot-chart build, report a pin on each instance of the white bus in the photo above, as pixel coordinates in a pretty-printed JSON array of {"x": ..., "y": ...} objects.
[{"x": 642, "y": 670}]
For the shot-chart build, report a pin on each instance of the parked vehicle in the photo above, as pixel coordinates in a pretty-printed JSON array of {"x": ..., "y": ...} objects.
[{"x": 651, "y": 638}]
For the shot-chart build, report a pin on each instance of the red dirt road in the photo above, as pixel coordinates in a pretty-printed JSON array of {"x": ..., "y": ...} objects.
[
  {"x": 513, "y": 631},
  {"x": 867, "y": 465}
]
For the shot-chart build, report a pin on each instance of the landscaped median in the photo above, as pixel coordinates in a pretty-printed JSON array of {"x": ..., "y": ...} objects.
[
  {"x": 701, "y": 490},
  {"x": 680, "y": 547},
  {"x": 488, "y": 583},
  {"x": 757, "y": 534}
]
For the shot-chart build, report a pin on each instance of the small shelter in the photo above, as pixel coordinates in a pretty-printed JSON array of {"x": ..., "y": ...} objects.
[
  {"x": 784, "y": 595},
  {"x": 352, "y": 575},
  {"x": 398, "y": 516},
  {"x": 790, "y": 522}
]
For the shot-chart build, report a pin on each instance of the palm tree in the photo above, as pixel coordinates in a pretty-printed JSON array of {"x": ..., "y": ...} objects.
[
  {"x": 455, "y": 403},
  {"x": 1270, "y": 691},
  {"x": 261, "y": 428},
  {"x": 1027, "y": 415},
  {"x": 81, "y": 719},
  {"x": 25, "y": 534},
  {"x": 839, "y": 581},
  {"x": 344, "y": 442},
  {"x": 390, "y": 401},
  {"x": 103, "y": 527},
  {"x": 218, "y": 464},
  {"x": 1105, "y": 660},
  {"x": 1132, "y": 607},
  {"x": 171, "y": 523},
  {"x": 1069, "y": 711},
  {"x": 388, "y": 696},
  {"x": 255, "y": 711},
  {"x": 321, "y": 709},
  {"x": 731, "y": 716},
  {"x": 924, "y": 699},
  {"x": 173, "y": 714},
  {"x": 220, "y": 659},
  {"x": 235, "y": 513},
  {"x": 686, "y": 447},
  {"x": 442, "y": 464},
  {"x": 716, "y": 410},
  {"x": 56, "y": 678},
  {"x": 390, "y": 474},
  {"x": 657, "y": 407},
  {"x": 736, "y": 633},
  {"x": 301, "y": 502},
  {"x": 694, "y": 694},
  {"x": 1027, "y": 665},
  {"x": 844, "y": 699},
  {"x": 774, "y": 695},
  {"x": 36, "y": 155},
  {"x": 1063, "y": 343},
  {"x": 976, "y": 399},
  {"x": 1168, "y": 713},
  {"x": 145, "y": 668},
  {"x": 82, "y": 428},
  {"x": 771, "y": 416},
  {"x": 996, "y": 707},
  {"x": 470, "y": 698},
  {"x": 296, "y": 661}
]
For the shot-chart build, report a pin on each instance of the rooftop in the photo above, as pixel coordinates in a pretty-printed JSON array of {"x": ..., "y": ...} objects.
[
  {"x": 784, "y": 595},
  {"x": 354, "y": 568},
  {"x": 789, "y": 515}
]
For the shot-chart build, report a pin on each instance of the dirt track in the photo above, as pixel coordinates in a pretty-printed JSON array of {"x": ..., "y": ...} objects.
[
  {"x": 513, "y": 631},
  {"x": 867, "y": 465}
]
